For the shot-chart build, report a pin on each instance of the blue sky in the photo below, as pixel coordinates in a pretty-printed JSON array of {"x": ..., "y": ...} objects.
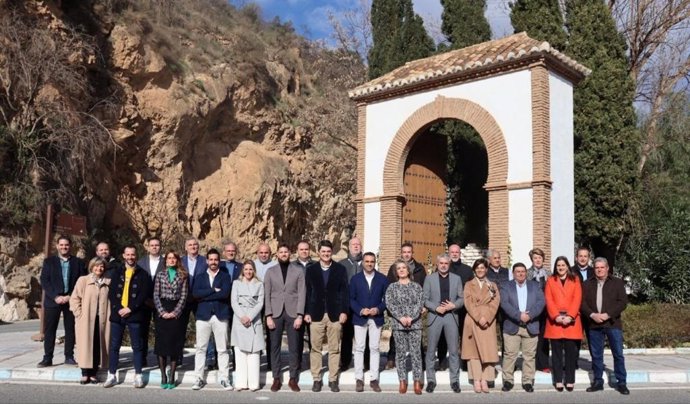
[{"x": 310, "y": 17}]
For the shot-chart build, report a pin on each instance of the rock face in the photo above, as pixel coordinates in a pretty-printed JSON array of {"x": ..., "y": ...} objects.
[{"x": 237, "y": 131}]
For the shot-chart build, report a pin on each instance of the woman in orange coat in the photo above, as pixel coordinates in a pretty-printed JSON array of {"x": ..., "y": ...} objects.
[{"x": 563, "y": 295}]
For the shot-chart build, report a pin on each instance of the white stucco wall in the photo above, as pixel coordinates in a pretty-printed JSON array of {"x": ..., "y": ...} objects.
[
  {"x": 507, "y": 98},
  {"x": 562, "y": 167},
  {"x": 520, "y": 225}
]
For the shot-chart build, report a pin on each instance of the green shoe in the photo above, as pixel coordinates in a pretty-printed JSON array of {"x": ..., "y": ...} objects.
[
  {"x": 164, "y": 385},
  {"x": 171, "y": 386}
]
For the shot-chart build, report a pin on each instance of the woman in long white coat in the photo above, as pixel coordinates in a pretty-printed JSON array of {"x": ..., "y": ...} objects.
[{"x": 247, "y": 338}]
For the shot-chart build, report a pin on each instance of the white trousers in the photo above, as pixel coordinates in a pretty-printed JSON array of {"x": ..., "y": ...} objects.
[
  {"x": 203, "y": 334},
  {"x": 247, "y": 368},
  {"x": 360, "y": 341}
]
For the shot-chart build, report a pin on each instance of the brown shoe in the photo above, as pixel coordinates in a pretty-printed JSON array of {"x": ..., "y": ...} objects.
[
  {"x": 374, "y": 384},
  {"x": 417, "y": 387},
  {"x": 359, "y": 386},
  {"x": 390, "y": 364},
  {"x": 403, "y": 387},
  {"x": 277, "y": 384},
  {"x": 293, "y": 385}
]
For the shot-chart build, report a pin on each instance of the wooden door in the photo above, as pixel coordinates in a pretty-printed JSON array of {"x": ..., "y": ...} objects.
[{"x": 424, "y": 211}]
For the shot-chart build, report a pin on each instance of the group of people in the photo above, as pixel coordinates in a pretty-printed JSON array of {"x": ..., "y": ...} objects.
[{"x": 253, "y": 303}]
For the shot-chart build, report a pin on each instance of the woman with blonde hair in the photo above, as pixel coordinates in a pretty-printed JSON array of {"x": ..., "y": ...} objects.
[
  {"x": 247, "y": 300},
  {"x": 479, "y": 347},
  {"x": 90, "y": 305},
  {"x": 170, "y": 292}
]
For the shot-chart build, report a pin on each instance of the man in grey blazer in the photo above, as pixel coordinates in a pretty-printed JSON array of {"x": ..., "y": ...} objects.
[
  {"x": 285, "y": 293},
  {"x": 443, "y": 296},
  {"x": 522, "y": 302}
]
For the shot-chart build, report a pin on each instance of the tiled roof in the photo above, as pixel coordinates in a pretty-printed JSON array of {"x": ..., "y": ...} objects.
[{"x": 458, "y": 62}]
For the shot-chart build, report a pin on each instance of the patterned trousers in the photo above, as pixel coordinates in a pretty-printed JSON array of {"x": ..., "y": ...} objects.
[{"x": 408, "y": 341}]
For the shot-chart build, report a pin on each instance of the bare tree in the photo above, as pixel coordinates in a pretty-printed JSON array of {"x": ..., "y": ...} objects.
[
  {"x": 658, "y": 37},
  {"x": 352, "y": 29}
]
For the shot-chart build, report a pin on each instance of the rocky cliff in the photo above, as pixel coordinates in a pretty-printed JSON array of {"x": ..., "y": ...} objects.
[{"x": 205, "y": 122}]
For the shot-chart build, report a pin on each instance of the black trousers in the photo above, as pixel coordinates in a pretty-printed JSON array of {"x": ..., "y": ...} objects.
[
  {"x": 542, "y": 357},
  {"x": 559, "y": 347},
  {"x": 52, "y": 316},
  {"x": 145, "y": 330},
  {"x": 285, "y": 323}
]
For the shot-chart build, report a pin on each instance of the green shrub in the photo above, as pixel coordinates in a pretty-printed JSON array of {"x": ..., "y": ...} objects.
[{"x": 658, "y": 325}]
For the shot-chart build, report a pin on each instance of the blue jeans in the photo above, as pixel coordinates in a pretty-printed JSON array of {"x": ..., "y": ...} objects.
[
  {"x": 117, "y": 329},
  {"x": 596, "y": 343}
]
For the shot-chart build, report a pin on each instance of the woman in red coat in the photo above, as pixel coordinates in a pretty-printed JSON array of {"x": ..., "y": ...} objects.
[{"x": 563, "y": 295}]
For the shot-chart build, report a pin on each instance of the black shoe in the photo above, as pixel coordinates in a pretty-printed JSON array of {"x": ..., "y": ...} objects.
[
  {"x": 430, "y": 387},
  {"x": 334, "y": 387},
  {"x": 317, "y": 386},
  {"x": 595, "y": 387},
  {"x": 70, "y": 361},
  {"x": 623, "y": 389},
  {"x": 45, "y": 363},
  {"x": 455, "y": 386},
  {"x": 507, "y": 386},
  {"x": 528, "y": 388},
  {"x": 491, "y": 384}
]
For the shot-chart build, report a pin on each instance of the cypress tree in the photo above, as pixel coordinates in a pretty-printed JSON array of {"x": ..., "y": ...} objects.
[
  {"x": 463, "y": 22},
  {"x": 398, "y": 36},
  {"x": 606, "y": 139},
  {"x": 541, "y": 19}
]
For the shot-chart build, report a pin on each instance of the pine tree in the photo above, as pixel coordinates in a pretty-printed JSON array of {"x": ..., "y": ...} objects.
[
  {"x": 398, "y": 36},
  {"x": 541, "y": 19},
  {"x": 463, "y": 22},
  {"x": 606, "y": 139}
]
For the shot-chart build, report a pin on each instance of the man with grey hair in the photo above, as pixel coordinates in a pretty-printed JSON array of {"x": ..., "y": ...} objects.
[
  {"x": 443, "y": 296},
  {"x": 603, "y": 302},
  {"x": 495, "y": 272}
]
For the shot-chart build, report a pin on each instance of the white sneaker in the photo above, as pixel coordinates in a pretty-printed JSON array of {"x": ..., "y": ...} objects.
[
  {"x": 138, "y": 382},
  {"x": 198, "y": 384},
  {"x": 110, "y": 381},
  {"x": 226, "y": 385}
]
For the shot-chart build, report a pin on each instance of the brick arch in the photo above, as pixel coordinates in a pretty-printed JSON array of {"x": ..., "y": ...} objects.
[{"x": 394, "y": 166}]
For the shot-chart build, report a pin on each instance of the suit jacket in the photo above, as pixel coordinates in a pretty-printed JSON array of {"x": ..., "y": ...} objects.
[
  {"x": 233, "y": 268},
  {"x": 284, "y": 296},
  {"x": 201, "y": 266},
  {"x": 353, "y": 267},
  {"x": 432, "y": 295},
  {"x": 211, "y": 302},
  {"x": 52, "y": 282},
  {"x": 361, "y": 297},
  {"x": 498, "y": 278},
  {"x": 144, "y": 264},
  {"x": 511, "y": 308},
  {"x": 614, "y": 301},
  {"x": 462, "y": 270},
  {"x": 140, "y": 288},
  {"x": 590, "y": 273},
  {"x": 332, "y": 298}
]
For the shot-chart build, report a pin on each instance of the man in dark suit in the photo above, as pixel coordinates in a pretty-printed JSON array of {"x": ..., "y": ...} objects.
[
  {"x": 103, "y": 251},
  {"x": 465, "y": 273},
  {"x": 367, "y": 293},
  {"x": 522, "y": 301},
  {"x": 585, "y": 272},
  {"x": 285, "y": 293},
  {"x": 328, "y": 303},
  {"x": 233, "y": 268},
  {"x": 58, "y": 277},
  {"x": 151, "y": 263},
  {"x": 498, "y": 274},
  {"x": 443, "y": 295},
  {"x": 603, "y": 302}
]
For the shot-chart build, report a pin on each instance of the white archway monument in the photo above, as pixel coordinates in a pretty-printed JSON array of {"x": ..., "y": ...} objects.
[{"x": 517, "y": 93}]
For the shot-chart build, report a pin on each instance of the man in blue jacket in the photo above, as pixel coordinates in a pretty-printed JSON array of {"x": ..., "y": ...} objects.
[
  {"x": 212, "y": 290},
  {"x": 58, "y": 277},
  {"x": 367, "y": 292},
  {"x": 522, "y": 301}
]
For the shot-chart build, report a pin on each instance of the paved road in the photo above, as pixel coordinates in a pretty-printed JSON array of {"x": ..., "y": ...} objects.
[{"x": 52, "y": 392}]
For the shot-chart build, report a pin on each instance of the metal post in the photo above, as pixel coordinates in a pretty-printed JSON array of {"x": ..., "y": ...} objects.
[{"x": 46, "y": 250}]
